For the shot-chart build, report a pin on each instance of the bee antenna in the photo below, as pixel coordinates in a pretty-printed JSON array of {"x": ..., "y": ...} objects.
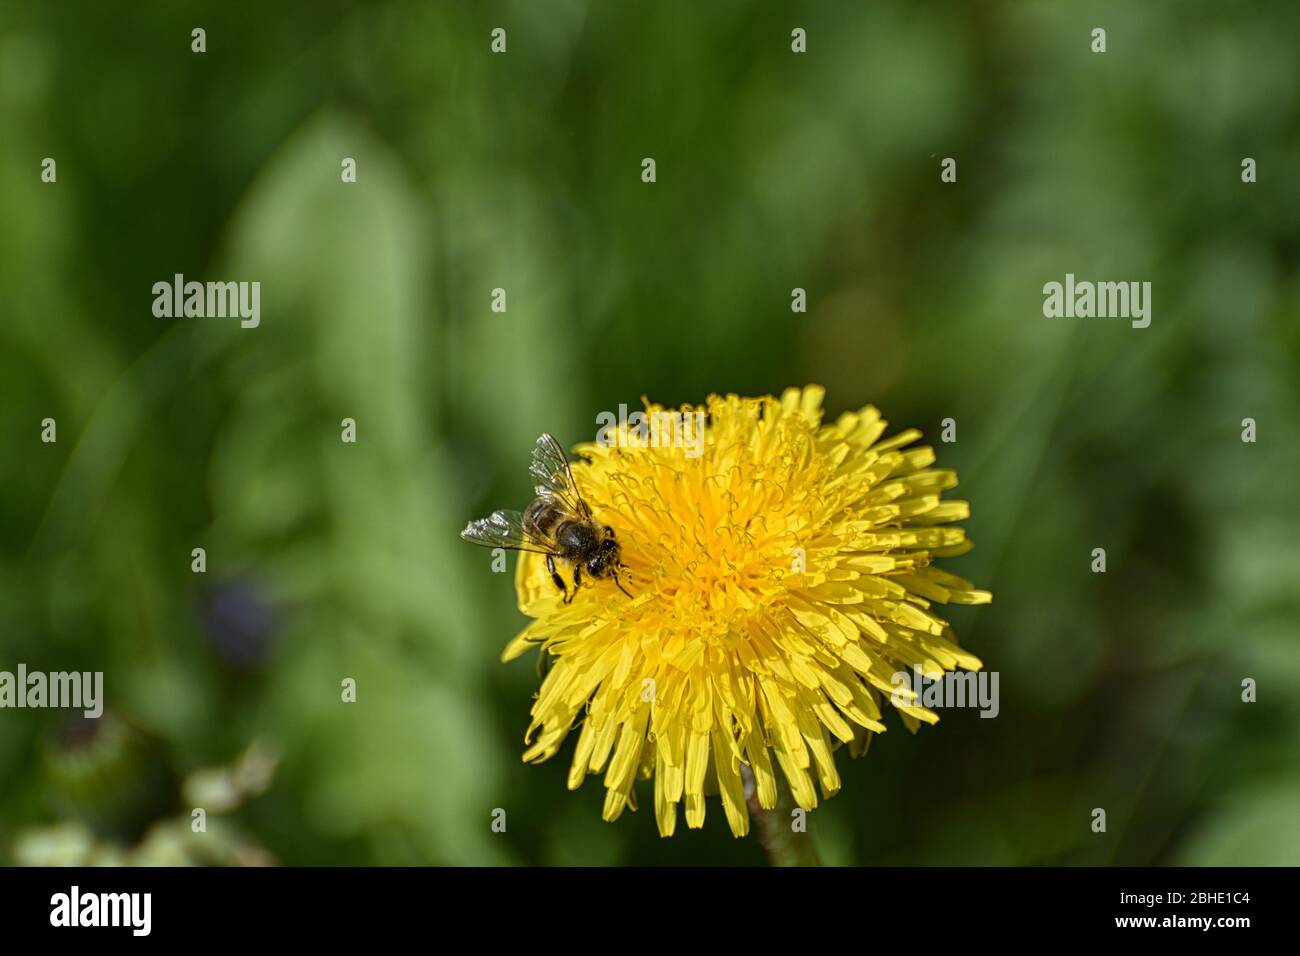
[{"x": 620, "y": 583}]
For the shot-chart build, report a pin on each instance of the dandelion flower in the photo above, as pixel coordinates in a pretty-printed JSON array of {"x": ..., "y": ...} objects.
[{"x": 781, "y": 576}]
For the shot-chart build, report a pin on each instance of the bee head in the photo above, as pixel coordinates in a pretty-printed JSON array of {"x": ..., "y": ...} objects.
[{"x": 605, "y": 560}]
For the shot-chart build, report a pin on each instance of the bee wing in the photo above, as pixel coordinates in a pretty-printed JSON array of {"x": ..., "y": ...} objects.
[
  {"x": 550, "y": 467},
  {"x": 505, "y": 529}
]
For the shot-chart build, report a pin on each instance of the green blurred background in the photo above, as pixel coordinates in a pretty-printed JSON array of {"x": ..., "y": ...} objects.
[{"x": 522, "y": 171}]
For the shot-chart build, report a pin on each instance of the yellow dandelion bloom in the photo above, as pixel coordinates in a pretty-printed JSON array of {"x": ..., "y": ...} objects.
[{"x": 781, "y": 576}]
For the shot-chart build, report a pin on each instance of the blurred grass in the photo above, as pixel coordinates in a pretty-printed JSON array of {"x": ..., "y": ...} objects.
[{"x": 774, "y": 171}]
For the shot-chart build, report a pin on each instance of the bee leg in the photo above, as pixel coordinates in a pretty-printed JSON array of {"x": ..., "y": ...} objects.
[
  {"x": 577, "y": 583},
  {"x": 555, "y": 576}
]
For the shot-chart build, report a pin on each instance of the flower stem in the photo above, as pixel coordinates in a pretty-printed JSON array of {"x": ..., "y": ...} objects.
[{"x": 777, "y": 834}]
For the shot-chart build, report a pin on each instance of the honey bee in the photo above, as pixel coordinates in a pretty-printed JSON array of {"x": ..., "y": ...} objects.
[{"x": 557, "y": 523}]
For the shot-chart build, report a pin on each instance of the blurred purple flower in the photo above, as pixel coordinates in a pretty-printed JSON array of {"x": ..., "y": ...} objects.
[{"x": 239, "y": 623}]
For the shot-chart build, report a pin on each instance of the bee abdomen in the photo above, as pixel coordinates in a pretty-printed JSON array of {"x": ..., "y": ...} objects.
[{"x": 541, "y": 517}]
